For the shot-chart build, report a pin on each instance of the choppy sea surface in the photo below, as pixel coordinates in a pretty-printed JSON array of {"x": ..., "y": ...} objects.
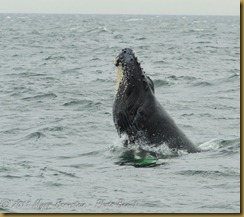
[{"x": 60, "y": 151}]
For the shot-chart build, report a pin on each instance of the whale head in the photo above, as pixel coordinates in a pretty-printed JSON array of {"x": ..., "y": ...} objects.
[
  {"x": 130, "y": 75},
  {"x": 132, "y": 87}
]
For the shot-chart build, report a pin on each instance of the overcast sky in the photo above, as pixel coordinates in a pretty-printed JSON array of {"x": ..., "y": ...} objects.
[{"x": 167, "y": 7}]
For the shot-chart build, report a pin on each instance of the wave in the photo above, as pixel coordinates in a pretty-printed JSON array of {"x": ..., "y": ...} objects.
[
  {"x": 30, "y": 137},
  {"x": 203, "y": 42},
  {"x": 209, "y": 173},
  {"x": 160, "y": 83},
  {"x": 54, "y": 58},
  {"x": 233, "y": 77},
  {"x": 35, "y": 136},
  {"x": 159, "y": 62},
  {"x": 202, "y": 84},
  {"x": 118, "y": 36},
  {"x": 172, "y": 80},
  {"x": 25, "y": 74},
  {"x": 6, "y": 210},
  {"x": 225, "y": 147},
  {"x": 12, "y": 176},
  {"x": 75, "y": 69},
  {"x": 134, "y": 19},
  {"x": 85, "y": 103},
  {"x": 41, "y": 96},
  {"x": 53, "y": 129},
  {"x": 141, "y": 38},
  {"x": 59, "y": 172},
  {"x": 86, "y": 154},
  {"x": 99, "y": 29},
  {"x": 186, "y": 77}
]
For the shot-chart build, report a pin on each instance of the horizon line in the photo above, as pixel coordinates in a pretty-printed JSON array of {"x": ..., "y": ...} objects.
[{"x": 131, "y": 14}]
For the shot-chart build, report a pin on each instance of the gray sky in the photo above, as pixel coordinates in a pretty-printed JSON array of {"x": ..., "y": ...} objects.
[{"x": 170, "y": 7}]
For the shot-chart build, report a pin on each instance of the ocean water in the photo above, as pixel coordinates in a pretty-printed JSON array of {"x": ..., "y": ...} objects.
[{"x": 60, "y": 151}]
